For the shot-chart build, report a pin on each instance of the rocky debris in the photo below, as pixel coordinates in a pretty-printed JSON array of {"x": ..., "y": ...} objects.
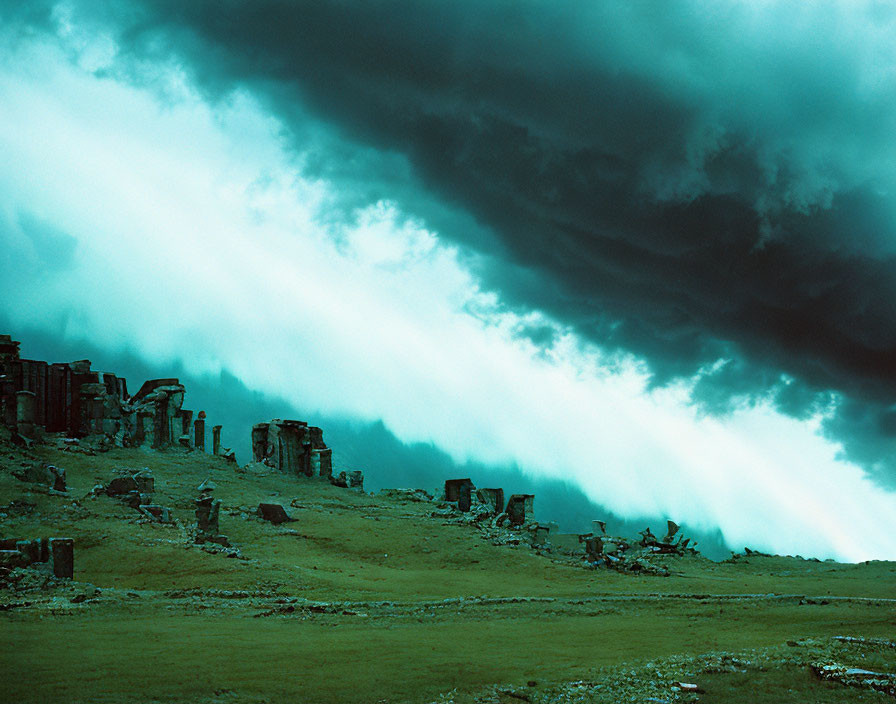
[
  {"x": 156, "y": 513},
  {"x": 349, "y": 480},
  {"x": 49, "y": 475},
  {"x": 275, "y": 513},
  {"x": 418, "y": 495},
  {"x": 492, "y": 498},
  {"x": 133, "y": 487},
  {"x": 883, "y": 682},
  {"x": 57, "y": 554}
]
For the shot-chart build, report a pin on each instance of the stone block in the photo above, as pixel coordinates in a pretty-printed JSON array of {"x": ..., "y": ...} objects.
[
  {"x": 62, "y": 551},
  {"x": 275, "y": 513}
]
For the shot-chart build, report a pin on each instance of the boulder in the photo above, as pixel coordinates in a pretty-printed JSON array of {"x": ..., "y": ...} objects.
[{"x": 275, "y": 513}]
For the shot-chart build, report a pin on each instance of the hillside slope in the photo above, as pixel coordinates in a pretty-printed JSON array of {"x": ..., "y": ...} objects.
[{"x": 386, "y": 598}]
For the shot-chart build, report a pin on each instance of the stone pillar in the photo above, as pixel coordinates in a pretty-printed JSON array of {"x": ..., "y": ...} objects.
[
  {"x": 199, "y": 432},
  {"x": 465, "y": 497},
  {"x": 322, "y": 463},
  {"x": 25, "y": 413},
  {"x": 216, "y": 440},
  {"x": 63, "y": 552}
]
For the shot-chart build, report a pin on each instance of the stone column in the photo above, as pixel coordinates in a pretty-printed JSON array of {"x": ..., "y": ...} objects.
[
  {"x": 465, "y": 497},
  {"x": 216, "y": 440},
  {"x": 63, "y": 552},
  {"x": 25, "y": 413},
  {"x": 322, "y": 463},
  {"x": 199, "y": 432}
]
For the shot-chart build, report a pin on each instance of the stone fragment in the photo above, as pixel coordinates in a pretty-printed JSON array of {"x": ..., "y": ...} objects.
[
  {"x": 216, "y": 440},
  {"x": 58, "y": 478},
  {"x": 155, "y": 513},
  {"x": 492, "y": 498},
  {"x": 207, "y": 512},
  {"x": 322, "y": 462},
  {"x": 275, "y": 513},
  {"x": 25, "y": 402},
  {"x": 62, "y": 551},
  {"x": 199, "y": 432},
  {"x": 356, "y": 479},
  {"x": 452, "y": 488},
  {"x": 12, "y": 558},
  {"x": 465, "y": 497},
  {"x": 121, "y": 485},
  {"x": 520, "y": 508},
  {"x": 540, "y": 535},
  {"x": 31, "y": 549},
  {"x": 672, "y": 529},
  {"x": 146, "y": 483}
]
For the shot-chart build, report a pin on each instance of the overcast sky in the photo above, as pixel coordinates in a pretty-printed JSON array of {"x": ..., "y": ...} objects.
[{"x": 650, "y": 247}]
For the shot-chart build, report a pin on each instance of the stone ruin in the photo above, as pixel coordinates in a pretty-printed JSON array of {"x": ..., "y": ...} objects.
[
  {"x": 520, "y": 508},
  {"x": 296, "y": 448},
  {"x": 94, "y": 407},
  {"x": 492, "y": 498},
  {"x": 490, "y": 502},
  {"x": 55, "y": 554},
  {"x": 208, "y": 510},
  {"x": 622, "y": 554}
]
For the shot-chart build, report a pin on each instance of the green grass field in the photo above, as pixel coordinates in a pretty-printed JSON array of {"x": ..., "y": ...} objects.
[{"x": 300, "y": 615}]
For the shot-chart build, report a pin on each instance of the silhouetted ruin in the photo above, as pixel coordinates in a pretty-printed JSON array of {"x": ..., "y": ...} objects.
[{"x": 91, "y": 406}]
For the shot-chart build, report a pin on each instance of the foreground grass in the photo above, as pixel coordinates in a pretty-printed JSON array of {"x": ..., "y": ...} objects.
[{"x": 140, "y": 655}]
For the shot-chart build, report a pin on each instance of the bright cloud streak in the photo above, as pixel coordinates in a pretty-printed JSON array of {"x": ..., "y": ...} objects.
[{"x": 197, "y": 239}]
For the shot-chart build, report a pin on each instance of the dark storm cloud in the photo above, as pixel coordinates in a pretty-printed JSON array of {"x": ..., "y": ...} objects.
[{"x": 684, "y": 183}]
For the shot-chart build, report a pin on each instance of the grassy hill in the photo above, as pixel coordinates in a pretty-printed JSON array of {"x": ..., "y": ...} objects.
[{"x": 385, "y": 599}]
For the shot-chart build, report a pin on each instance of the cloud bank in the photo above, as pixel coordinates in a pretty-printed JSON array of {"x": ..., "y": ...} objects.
[{"x": 660, "y": 268}]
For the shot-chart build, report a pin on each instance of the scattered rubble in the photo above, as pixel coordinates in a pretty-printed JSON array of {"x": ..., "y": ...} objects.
[
  {"x": 56, "y": 554},
  {"x": 48, "y": 475}
]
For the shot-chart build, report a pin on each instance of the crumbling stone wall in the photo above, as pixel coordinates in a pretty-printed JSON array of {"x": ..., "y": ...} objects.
[
  {"x": 37, "y": 397},
  {"x": 287, "y": 445},
  {"x": 520, "y": 508}
]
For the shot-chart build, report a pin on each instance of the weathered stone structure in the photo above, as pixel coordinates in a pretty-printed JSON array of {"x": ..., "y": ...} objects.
[
  {"x": 62, "y": 551},
  {"x": 453, "y": 488},
  {"x": 37, "y": 398},
  {"x": 465, "y": 497},
  {"x": 216, "y": 440},
  {"x": 58, "y": 554},
  {"x": 207, "y": 512},
  {"x": 322, "y": 462},
  {"x": 520, "y": 508},
  {"x": 292, "y": 447}
]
